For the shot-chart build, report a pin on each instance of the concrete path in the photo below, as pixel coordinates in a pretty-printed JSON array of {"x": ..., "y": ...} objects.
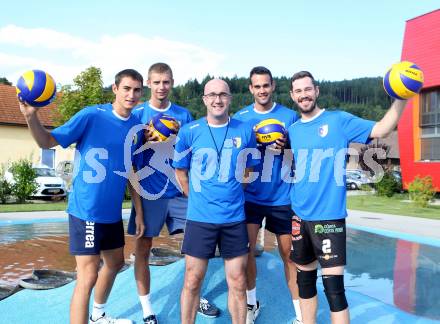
[
  {"x": 418, "y": 226},
  {"x": 39, "y": 215}
]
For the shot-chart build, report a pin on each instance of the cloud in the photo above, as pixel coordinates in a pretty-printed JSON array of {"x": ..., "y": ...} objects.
[{"x": 65, "y": 55}]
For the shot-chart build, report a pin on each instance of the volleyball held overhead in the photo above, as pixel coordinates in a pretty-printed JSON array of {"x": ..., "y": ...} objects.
[
  {"x": 37, "y": 88},
  {"x": 403, "y": 80}
]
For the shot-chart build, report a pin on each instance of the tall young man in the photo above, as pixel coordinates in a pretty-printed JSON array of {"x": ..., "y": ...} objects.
[
  {"x": 162, "y": 202},
  {"x": 268, "y": 196},
  {"x": 208, "y": 174},
  {"x": 319, "y": 142},
  {"x": 95, "y": 219}
]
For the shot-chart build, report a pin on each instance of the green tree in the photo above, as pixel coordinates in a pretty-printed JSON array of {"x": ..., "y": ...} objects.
[
  {"x": 87, "y": 90},
  {"x": 24, "y": 179},
  {"x": 3, "y": 80}
]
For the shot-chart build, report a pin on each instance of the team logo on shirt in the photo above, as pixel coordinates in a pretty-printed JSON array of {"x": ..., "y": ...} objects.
[
  {"x": 236, "y": 141},
  {"x": 323, "y": 130},
  {"x": 135, "y": 139}
]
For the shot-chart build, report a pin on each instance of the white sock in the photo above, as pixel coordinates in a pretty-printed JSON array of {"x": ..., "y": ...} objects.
[
  {"x": 297, "y": 309},
  {"x": 146, "y": 305},
  {"x": 252, "y": 296},
  {"x": 97, "y": 311}
]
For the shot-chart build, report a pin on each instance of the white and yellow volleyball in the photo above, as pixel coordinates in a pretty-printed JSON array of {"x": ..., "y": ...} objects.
[
  {"x": 37, "y": 88},
  {"x": 164, "y": 126},
  {"x": 268, "y": 131},
  {"x": 403, "y": 80}
]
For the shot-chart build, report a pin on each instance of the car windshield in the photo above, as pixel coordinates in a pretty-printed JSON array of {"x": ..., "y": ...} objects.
[
  {"x": 353, "y": 176},
  {"x": 45, "y": 172}
]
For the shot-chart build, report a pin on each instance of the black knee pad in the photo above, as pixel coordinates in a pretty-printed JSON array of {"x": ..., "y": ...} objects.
[
  {"x": 335, "y": 292},
  {"x": 306, "y": 281}
]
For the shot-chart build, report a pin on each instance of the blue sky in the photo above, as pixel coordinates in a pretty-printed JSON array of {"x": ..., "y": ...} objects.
[{"x": 334, "y": 40}]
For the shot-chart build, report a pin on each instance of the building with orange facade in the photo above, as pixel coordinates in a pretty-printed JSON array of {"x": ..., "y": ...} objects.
[{"x": 419, "y": 127}]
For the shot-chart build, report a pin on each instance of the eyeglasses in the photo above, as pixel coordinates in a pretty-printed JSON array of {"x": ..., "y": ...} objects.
[{"x": 213, "y": 96}]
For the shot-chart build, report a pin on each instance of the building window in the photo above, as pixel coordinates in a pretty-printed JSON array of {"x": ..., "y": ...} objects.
[
  {"x": 48, "y": 157},
  {"x": 430, "y": 125}
]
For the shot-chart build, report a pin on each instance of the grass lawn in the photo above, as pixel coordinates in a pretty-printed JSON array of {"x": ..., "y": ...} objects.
[
  {"x": 393, "y": 205},
  {"x": 41, "y": 206},
  {"x": 370, "y": 203}
]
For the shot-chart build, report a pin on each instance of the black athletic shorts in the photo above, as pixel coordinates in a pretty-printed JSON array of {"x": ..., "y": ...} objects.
[
  {"x": 324, "y": 241},
  {"x": 201, "y": 239},
  {"x": 278, "y": 218},
  {"x": 90, "y": 238}
]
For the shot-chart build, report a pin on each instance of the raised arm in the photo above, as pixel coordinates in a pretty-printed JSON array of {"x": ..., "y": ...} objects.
[
  {"x": 183, "y": 180},
  {"x": 389, "y": 122},
  {"x": 41, "y": 135}
]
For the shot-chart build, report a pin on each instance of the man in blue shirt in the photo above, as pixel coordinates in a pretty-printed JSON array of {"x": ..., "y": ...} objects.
[
  {"x": 162, "y": 202},
  {"x": 95, "y": 218},
  {"x": 319, "y": 142},
  {"x": 211, "y": 162},
  {"x": 268, "y": 196}
]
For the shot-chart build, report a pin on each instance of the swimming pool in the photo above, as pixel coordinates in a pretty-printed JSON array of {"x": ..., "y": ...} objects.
[{"x": 395, "y": 271}]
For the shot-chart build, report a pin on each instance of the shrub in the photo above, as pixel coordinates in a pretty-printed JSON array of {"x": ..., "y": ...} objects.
[
  {"x": 387, "y": 186},
  {"x": 5, "y": 187},
  {"x": 421, "y": 191},
  {"x": 24, "y": 179}
]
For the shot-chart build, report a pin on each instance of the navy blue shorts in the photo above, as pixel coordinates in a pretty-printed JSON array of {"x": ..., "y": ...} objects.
[
  {"x": 278, "y": 218},
  {"x": 90, "y": 238},
  {"x": 155, "y": 214},
  {"x": 324, "y": 241},
  {"x": 201, "y": 239},
  {"x": 176, "y": 218},
  {"x": 159, "y": 212}
]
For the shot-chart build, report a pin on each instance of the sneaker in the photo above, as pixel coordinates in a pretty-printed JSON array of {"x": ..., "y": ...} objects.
[
  {"x": 297, "y": 321},
  {"x": 252, "y": 313},
  {"x": 208, "y": 310},
  {"x": 104, "y": 319},
  {"x": 150, "y": 319}
]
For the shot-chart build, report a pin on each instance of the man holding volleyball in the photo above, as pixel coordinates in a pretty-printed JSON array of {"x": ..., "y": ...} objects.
[
  {"x": 95, "y": 204},
  {"x": 268, "y": 196},
  {"x": 211, "y": 164},
  {"x": 162, "y": 202},
  {"x": 319, "y": 141}
]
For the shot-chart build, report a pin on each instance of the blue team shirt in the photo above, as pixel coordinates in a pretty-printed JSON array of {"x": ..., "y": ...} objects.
[
  {"x": 215, "y": 194},
  {"x": 160, "y": 158},
  {"x": 99, "y": 134},
  {"x": 268, "y": 189},
  {"x": 319, "y": 146}
]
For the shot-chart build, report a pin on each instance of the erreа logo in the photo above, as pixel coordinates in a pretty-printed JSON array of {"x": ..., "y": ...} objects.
[{"x": 90, "y": 235}]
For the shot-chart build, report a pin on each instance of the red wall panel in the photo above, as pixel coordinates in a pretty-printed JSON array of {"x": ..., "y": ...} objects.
[{"x": 421, "y": 45}]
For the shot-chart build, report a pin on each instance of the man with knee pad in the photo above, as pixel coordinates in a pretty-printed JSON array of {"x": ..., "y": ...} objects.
[{"x": 319, "y": 141}]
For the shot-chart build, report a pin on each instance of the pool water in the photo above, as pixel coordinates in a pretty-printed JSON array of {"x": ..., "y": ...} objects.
[{"x": 395, "y": 271}]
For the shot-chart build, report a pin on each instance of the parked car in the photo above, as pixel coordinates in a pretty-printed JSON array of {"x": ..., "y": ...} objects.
[
  {"x": 397, "y": 175},
  {"x": 49, "y": 184},
  {"x": 356, "y": 178}
]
